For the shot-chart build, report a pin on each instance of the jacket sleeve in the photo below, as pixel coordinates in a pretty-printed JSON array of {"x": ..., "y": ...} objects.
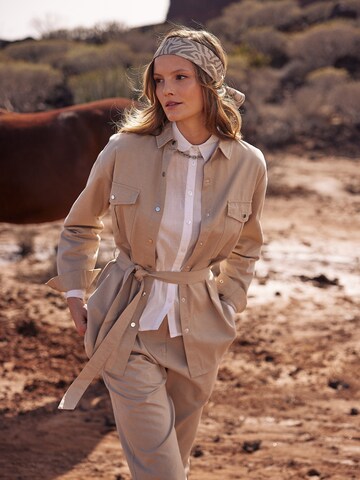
[
  {"x": 80, "y": 237},
  {"x": 237, "y": 271}
]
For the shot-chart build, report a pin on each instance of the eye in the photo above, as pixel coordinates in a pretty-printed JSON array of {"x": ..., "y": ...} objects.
[
  {"x": 180, "y": 76},
  {"x": 157, "y": 80}
]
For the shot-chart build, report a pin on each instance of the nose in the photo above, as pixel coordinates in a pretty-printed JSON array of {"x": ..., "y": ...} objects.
[{"x": 168, "y": 88}]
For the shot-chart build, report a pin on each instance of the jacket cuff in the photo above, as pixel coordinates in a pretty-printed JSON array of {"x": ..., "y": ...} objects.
[{"x": 77, "y": 280}]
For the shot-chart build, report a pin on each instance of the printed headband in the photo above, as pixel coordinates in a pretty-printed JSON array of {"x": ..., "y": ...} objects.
[
  {"x": 196, "y": 53},
  {"x": 202, "y": 56}
]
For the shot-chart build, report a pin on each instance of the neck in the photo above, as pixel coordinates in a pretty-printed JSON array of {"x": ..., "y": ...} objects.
[{"x": 194, "y": 134}]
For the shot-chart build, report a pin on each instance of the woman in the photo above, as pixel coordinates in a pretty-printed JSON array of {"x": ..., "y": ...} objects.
[{"x": 186, "y": 195}]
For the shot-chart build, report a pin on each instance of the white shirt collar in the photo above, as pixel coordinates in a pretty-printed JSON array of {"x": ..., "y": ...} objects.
[{"x": 206, "y": 149}]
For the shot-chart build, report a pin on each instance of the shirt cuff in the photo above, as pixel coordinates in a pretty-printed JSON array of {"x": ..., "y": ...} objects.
[{"x": 75, "y": 293}]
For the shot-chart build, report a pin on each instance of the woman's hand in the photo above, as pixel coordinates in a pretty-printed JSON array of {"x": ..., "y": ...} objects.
[{"x": 79, "y": 313}]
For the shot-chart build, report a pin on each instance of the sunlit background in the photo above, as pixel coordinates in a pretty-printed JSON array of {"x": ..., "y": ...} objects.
[{"x": 23, "y": 18}]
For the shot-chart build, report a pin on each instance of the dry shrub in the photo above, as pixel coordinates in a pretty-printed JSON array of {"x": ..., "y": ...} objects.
[
  {"x": 145, "y": 39},
  {"x": 236, "y": 72},
  {"x": 100, "y": 33},
  {"x": 41, "y": 51},
  {"x": 25, "y": 87},
  {"x": 263, "y": 85},
  {"x": 99, "y": 84},
  {"x": 345, "y": 101},
  {"x": 325, "y": 44},
  {"x": 317, "y": 12},
  {"x": 269, "y": 42},
  {"x": 326, "y": 78},
  {"x": 329, "y": 112},
  {"x": 312, "y": 106},
  {"x": 275, "y": 125},
  {"x": 85, "y": 58},
  {"x": 237, "y": 18}
]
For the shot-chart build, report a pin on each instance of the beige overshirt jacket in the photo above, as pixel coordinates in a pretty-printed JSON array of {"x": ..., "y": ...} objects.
[{"x": 130, "y": 177}]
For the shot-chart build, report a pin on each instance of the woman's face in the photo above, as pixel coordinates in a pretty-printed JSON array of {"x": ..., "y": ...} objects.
[{"x": 178, "y": 91}]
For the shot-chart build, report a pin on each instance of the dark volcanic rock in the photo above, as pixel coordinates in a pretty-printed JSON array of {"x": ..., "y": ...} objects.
[{"x": 188, "y": 11}]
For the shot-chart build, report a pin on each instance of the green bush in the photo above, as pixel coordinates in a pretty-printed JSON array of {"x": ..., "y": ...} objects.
[
  {"x": 37, "y": 51},
  {"x": 84, "y": 58},
  {"x": 99, "y": 84},
  {"x": 25, "y": 87}
]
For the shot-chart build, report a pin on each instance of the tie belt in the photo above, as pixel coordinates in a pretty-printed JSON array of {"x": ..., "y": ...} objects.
[{"x": 113, "y": 337}]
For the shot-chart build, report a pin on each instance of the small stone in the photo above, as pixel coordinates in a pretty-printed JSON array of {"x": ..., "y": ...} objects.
[
  {"x": 354, "y": 411},
  {"x": 269, "y": 358},
  {"x": 197, "y": 451},
  {"x": 337, "y": 384},
  {"x": 27, "y": 328},
  {"x": 60, "y": 384},
  {"x": 251, "y": 446},
  {"x": 313, "y": 473}
]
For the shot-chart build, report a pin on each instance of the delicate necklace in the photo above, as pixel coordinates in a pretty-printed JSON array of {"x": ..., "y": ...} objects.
[{"x": 193, "y": 157}]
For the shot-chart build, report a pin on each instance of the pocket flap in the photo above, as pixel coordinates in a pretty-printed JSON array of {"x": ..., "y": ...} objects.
[
  {"x": 241, "y": 211},
  {"x": 123, "y": 194}
]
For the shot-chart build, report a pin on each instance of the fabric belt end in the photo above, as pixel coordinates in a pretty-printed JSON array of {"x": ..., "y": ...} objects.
[{"x": 66, "y": 404}]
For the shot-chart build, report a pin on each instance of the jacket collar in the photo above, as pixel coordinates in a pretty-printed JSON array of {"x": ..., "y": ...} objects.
[{"x": 167, "y": 135}]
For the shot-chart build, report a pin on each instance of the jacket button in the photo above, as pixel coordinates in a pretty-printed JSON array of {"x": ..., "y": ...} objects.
[
  {"x": 113, "y": 197},
  {"x": 183, "y": 299},
  {"x": 132, "y": 324},
  {"x": 221, "y": 281},
  {"x": 187, "y": 330},
  {"x": 150, "y": 240},
  {"x": 157, "y": 209}
]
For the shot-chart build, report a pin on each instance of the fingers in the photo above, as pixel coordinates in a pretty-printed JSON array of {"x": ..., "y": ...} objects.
[
  {"x": 79, "y": 314},
  {"x": 81, "y": 326}
]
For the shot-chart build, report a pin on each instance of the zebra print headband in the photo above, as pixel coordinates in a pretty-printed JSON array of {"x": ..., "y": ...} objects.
[
  {"x": 196, "y": 53},
  {"x": 201, "y": 56}
]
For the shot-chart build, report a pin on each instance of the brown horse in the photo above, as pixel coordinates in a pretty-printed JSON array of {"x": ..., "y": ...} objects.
[{"x": 45, "y": 158}]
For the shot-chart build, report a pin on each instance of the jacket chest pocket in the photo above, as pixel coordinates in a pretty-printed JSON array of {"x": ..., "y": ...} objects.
[
  {"x": 123, "y": 200},
  {"x": 240, "y": 211},
  {"x": 231, "y": 224}
]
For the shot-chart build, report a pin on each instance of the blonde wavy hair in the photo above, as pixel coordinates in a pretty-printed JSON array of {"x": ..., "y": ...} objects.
[{"x": 222, "y": 117}]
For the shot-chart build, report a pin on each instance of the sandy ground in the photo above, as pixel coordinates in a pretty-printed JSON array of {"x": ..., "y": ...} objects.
[{"x": 287, "y": 400}]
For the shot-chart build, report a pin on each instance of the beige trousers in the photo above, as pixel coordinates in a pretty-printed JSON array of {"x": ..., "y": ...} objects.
[{"x": 157, "y": 405}]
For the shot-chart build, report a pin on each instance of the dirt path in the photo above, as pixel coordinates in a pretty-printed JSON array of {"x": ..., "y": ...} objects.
[{"x": 287, "y": 400}]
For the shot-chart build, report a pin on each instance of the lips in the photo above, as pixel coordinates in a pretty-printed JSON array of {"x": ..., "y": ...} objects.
[{"x": 171, "y": 104}]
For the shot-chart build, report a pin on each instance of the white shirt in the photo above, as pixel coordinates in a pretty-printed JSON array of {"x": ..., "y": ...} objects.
[{"x": 179, "y": 230}]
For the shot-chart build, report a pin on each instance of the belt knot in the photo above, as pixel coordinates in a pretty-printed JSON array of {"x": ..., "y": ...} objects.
[{"x": 140, "y": 273}]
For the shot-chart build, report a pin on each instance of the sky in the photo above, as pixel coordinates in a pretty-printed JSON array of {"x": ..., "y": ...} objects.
[{"x": 22, "y": 18}]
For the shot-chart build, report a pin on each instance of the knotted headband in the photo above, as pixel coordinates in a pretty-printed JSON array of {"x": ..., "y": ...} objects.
[{"x": 202, "y": 56}]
